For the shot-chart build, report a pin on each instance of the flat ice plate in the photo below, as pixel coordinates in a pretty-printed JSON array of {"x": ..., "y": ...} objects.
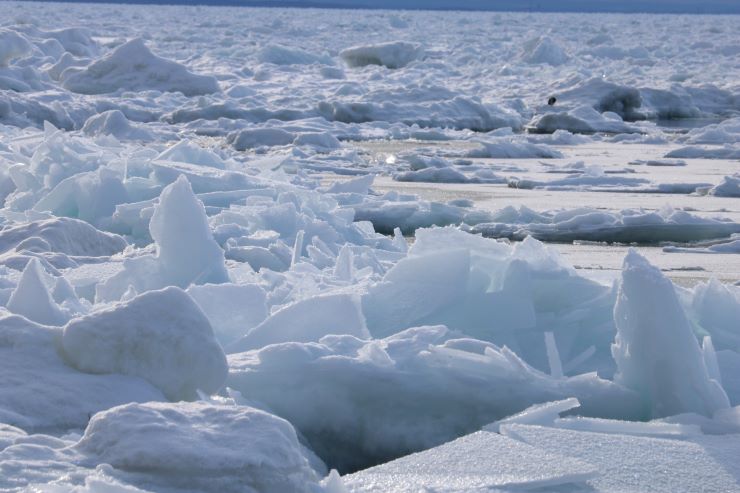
[
  {"x": 481, "y": 461},
  {"x": 635, "y": 464}
]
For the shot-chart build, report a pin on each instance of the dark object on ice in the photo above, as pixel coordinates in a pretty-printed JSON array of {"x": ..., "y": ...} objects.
[{"x": 552, "y": 100}]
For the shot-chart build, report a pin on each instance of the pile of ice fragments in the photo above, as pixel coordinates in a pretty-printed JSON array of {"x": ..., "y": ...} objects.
[
  {"x": 172, "y": 321},
  {"x": 179, "y": 315}
]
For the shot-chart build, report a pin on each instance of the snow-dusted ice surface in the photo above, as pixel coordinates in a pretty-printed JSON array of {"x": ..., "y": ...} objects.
[{"x": 254, "y": 250}]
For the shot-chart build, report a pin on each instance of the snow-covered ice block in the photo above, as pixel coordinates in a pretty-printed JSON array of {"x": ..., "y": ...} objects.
[
  {"x": 115, "y": 123},
  {"x": 482, "y": 461},
  {"x": 39, "y": 391},
  {"x": 631, "y": 463},
  {"x": 584, "y": 119},
  {"x": 161, "y": 336},
  {"x": 200, "y": 446},
  {"x": 63, "y": 235},
  {"x": 133, "y": 67},
  {"x": 506, "y": 148}
]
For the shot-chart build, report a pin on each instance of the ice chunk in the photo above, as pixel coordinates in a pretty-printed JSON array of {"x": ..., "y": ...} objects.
[
  {"x": 613, "y": 426},
  {"x": 307, "y": 320},
  {"x": 506, "y": 148},
  {"x": 187, "y": 152},
  {"x": 420, "y": 388},
  {"x": 359, "y": 185},
  {"x": 544, "y": 50},
  {"x": 12, "y": 45},
  {"x": 728, "y": 187},
  {"x": 161, "y": 336},
  {"x": 283, "y": 55},
  {"x": 115, "y": 123},
  {"x": 186, "y": 251},
  {"x": 256, "y": 137},
  {"x": 583, "y": 119},
  {"x": 394, "y": 54},
  {"x": 91, "y": 196},
  {"x": 200, "y": 446},
  {"x": 321, "y": 141},
  {"x": 481, "y": 461},
  {"x": 132, "y": 67},
  {"x": 716, "y": 307},
  {"x": 232, "y": 309},
  {"x": 539, "y": 414},
  {"x": 414, "y": 288},
  {"x": 31, "y": 298},
  {"x": 655, "y": 349},
  {"x": 626, "y": 226}
]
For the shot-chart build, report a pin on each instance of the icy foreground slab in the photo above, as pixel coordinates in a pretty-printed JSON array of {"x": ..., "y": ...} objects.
[
  {"x": 629, "y": 463},
  {"x": 478, "y": 462}
]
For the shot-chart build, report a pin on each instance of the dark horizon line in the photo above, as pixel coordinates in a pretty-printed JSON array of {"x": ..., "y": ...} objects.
[{"x": 657, "y": 9}]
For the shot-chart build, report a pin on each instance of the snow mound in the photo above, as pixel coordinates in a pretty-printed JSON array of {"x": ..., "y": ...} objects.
[
  {"x": 393, "y": 55},
  {"x": 115, "y": 123},
  {"x": 200, "y": 446},
  {"x": 63, "y": 235},
  {"x": 728, "y": 187},
  {"x": 655, "y": 348},
  {"x": 161, "y": 336},
  {"x": 132, "y": 67},
  {"x": 544, "y": 50}
]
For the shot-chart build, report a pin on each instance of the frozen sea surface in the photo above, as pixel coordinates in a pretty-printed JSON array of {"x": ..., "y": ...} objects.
[{"x": 275, "y": 250}]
